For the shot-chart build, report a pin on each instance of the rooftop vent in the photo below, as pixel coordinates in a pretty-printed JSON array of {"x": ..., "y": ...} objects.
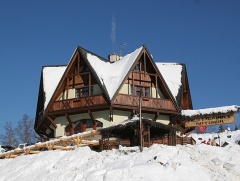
[{"x": 113, "y": 57}]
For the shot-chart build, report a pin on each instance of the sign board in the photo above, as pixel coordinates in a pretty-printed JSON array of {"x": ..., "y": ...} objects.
[{"x": 212, "y": 120}]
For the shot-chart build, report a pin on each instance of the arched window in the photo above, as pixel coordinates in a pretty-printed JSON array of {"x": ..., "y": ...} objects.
[{"x": 83, "y": 125}]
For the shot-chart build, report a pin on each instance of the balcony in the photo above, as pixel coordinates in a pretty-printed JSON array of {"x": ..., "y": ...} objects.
[
  {"x": 82, "y": 102},
  {"x": 148, "y": 103}
]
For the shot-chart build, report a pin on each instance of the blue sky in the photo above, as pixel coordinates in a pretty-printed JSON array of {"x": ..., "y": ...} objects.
[{"x": 203, "y": 34}]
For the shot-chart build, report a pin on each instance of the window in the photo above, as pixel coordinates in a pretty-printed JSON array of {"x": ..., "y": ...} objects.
[
  {"x": 145, "y": 91},
  {"x": 83, "y": 92},
  {"x": 139, "y": 66},
  {"x": 82, "y": 125}
]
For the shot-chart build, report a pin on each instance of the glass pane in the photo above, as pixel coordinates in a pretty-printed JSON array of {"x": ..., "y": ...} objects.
[{"x": 137, "y": 67}]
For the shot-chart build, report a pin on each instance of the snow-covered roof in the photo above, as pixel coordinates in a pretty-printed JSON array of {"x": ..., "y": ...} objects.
[
  {"x": 51, "y": 78},
  {"x": 111, "y": 75},
  {"x": 172, "y": 74},
  {"x": 216, "y": 110}
]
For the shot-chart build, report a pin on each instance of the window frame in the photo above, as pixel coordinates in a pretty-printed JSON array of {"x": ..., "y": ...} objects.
[{"x": 83, "y": 92}]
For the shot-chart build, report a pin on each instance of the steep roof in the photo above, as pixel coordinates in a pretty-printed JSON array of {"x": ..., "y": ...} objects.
[
  {"x": 111, "y": 75},
  {"x": 172, "y": 74},
  {"x": 51, "y": 77}
]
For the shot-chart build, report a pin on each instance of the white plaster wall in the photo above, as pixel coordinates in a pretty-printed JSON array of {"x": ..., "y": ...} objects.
[
  {"x": 148, "y": 116},
  {"x": 103, "y": 116},
  {"x": 61, "y": 123},
  {"x": 125, "y": 89},
  {"x": 119, "y": 116},
  {"x": 164, "y": 119},
  {"x": 71, "y": 94},
  {"x": 78, "y": 117},
  {"x": 159, "y": 95}
]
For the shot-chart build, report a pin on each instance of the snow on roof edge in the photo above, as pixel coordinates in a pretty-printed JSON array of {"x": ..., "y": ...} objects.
[
  {"x": 206, "y": 111},
  {"x": 51, "y": 78}
]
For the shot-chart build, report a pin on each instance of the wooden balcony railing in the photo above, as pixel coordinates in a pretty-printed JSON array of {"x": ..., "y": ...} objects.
[
  {"x": 77, "y": 103},
  {"x": 148, "y": 103}
]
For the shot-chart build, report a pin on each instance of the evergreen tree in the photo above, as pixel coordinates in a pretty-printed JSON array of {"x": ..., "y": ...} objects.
[{"x": 9, "y": 138}]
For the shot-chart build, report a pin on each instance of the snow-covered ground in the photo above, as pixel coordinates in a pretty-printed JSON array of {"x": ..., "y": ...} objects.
[{"x": 159, "y": 162}]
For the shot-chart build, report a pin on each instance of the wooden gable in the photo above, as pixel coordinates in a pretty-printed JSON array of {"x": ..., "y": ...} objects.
[
  {"x": 78, "y": 90},
  {"x": 144, "y": 76}
]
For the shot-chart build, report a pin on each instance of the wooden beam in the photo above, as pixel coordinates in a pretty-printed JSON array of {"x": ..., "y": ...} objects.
[
  {"x": 156, "y": 86},
  {"x": 78, "y": 60},
  {"x": 111, "y": 113},
  {"x": 70, "y": 123},
  {"x": 156, "y": 116},
  {"x": 52, "y": 131},
  {"x": 52, "y": 122},
  {"x": 93, "y": 120},
  {"x": 144, "y": 54},
  {"x": 67, "y": 87},
  {"x": 89, "y": 84},
  {"x": 132, "y": 114}
]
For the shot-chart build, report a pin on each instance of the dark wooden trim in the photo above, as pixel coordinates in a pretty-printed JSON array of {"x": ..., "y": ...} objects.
[
  {"x": 111, "y": 114},
  {"x": 52, "y": 122},
  {"x": 156, "y": 86},
  {"x": 144, "y": 61},
  {"x": 51, "y": 130},
  {"x": 132, "y": 114},
  {"x": 93, "y": 119},
  {"x": 70, "y": 123},
  {"x": 156, "y": 116}
]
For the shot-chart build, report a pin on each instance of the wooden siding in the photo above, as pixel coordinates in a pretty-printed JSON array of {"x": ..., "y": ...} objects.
[
  {"x": 82, "y": 102},
  {"x": 108, "y": 144},
  {"x": 147, "y": 103}
]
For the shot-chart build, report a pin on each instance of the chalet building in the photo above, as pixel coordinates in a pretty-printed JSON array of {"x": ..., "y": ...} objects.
[{"x": 91, "y": 92}]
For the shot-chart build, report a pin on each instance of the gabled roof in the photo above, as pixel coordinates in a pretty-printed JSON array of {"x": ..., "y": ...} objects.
[
  {"x": 110, "y": 75},
  {"x": 172, "y": 74}
]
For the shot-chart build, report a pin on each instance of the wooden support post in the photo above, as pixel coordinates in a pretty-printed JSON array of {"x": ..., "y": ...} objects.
[
  {"x": 144, "y": 62},
  {"x": 111, "y": 114},
  {"x": 156, "y": 116},
  {"x": 52, "y": 122},
  {"x": 93, "y": 120},
  {"x": 67, "y": 87},
  {"x": 83, "y": 125},
  {"x": 156, "y": 86},
  {"x": 70, "y": 123}
]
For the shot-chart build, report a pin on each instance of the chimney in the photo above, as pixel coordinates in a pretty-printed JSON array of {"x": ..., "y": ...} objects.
[{"x": 113, "y": 57}]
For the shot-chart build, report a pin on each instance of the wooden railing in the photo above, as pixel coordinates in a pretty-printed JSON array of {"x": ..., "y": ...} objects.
[
  {"x": 77, "y": 103},
  {"x": 152, "y": 103}
]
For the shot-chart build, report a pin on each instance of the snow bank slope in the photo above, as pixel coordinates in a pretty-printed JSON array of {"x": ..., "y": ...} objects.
[{"x": 159, "y": 162}]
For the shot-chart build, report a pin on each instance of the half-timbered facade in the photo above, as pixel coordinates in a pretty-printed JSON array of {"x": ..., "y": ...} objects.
[{"x": 91, "y": 92}]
